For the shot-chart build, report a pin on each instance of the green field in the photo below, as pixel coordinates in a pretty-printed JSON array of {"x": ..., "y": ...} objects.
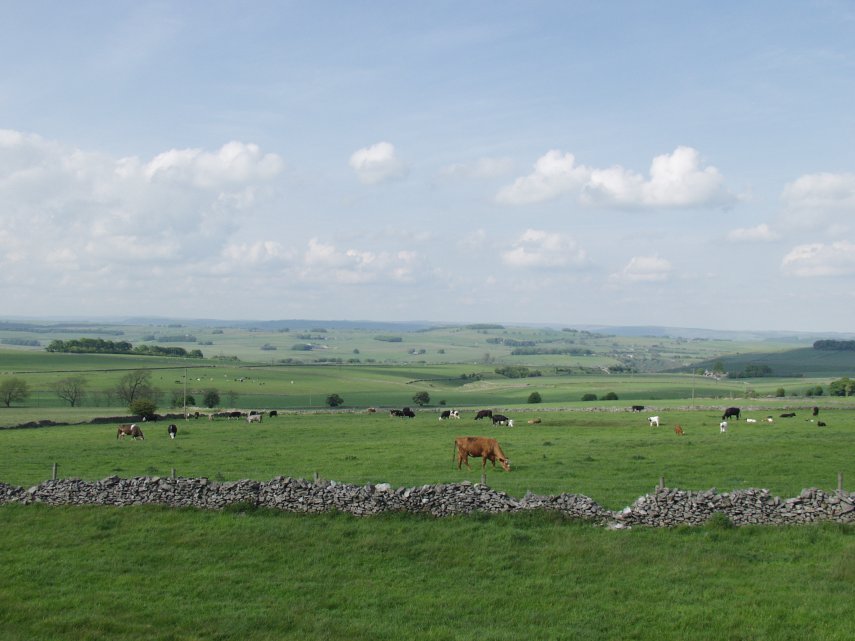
[{"x": 155, "y": 573}]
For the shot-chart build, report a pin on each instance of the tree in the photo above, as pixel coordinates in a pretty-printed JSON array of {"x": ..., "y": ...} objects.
[
  {"x": 211, "y": 398},
  {"x": 135, "y": 385},
  {"x": 421, "y": 398},
  {"x": 13, "y": 389},
  {"x": 780, "y": 392},
  {"x": 143, "y": 407},
  {"x": 534, "y": 397},
  {"x": 842, "y": 387},
  {"x": 334, "y": 400},
  {"x": 589, "y": 397},
  {"x": 71, "y": 389},
  {"x": 610, "y": 396}
]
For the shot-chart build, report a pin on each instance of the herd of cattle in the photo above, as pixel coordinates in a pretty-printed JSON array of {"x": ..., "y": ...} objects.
[{"x": 488, "y": 449}]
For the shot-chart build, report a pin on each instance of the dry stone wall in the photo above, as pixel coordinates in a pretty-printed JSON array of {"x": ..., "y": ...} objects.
[{"x": 664, "y": 508}]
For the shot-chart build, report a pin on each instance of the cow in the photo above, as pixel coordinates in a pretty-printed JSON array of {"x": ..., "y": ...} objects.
[
  {"x": 722, "y": 427},
  {"x": 769, "y": 419},
  {"x": 638, "y": 408},
  {"x": 678, "y": 430},
  {"x": 750, "y": 420},
  {"x": 130, "y": 429},
  {"x": 273, "y": 413},
  {"x": 254, "y": 418},
  {"x": 449, "y": 414},
  {"x": 232, "y": 415},
  {"x": 172, "y": 430},
  {"x": 730, "y": 412},
  {"x": 815, "y": 411},
  {"x": 501, "y": 419},
  {"x": 533, "y": 421},
  {"x": 486, "y": 448},
  {"x": 653, "y": 421},
  {"x": 820, "y": 423},
  {"x": 788, "y": 415},
  {"x": 408, "y": 412},
  {"x": 371, "y": 410},
  {"x": 483, "y": 414},
  {"x": 395, "y": 413}
]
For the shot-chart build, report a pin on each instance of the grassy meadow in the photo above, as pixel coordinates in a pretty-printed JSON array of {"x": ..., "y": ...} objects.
[{"x": 153, "y": 573}]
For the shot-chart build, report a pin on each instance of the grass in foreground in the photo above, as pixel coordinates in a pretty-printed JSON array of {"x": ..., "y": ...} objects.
[{"x": 151, "y": 573}]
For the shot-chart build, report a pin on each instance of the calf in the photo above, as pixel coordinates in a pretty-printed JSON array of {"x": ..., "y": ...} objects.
[
  {"x": 502, "y": 420},
  {"x": 172, "y": 430},
  {"x": 722, "y": 427},
  {"x": 820, "y": 424},
  {"x": 750, "y": 420},
  {"x": 678, "y": 430},
  {"x": 253, "y": 418},
  {"x": 653, "y": 421},
  {"x": 486, "y": 448}
]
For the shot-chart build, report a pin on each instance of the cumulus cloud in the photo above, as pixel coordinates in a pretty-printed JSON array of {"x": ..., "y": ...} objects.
[
  {"x": 820, "y": 259},
  {"x": 377, "y": 164},
  {"x": 325, "y": 263},
  {"x": 72, "y": 209},
  {"x": 539, "y": 249},
  {"x": 676, "y": 180},
  {"x": 760, "y": 233},
  {"x": 641, "y": 269},
  {"x": 820, "y": 191}
]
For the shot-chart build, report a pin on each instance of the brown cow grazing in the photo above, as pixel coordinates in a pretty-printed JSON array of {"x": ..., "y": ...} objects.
[
  {"x": 486, "y": 448},
  {"x": 533, "y": 421},
  {"x": 129, "y": 429},
  {"x": 678, "y": 430}
]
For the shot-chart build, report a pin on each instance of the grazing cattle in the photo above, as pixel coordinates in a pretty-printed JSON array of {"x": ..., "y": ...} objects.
[
  {"x": 395, "y": 413},
  {"x": 533, "y": 421},
  {"x": 130, "y": 429},
  {"x": 638, "y": 408},
  {"x": 172, "y": 430},
  {"x": 449, "y": 414},
  {"x": 769, "y": 419},
  {"x": 815, "y": 411},
  {"x": 678, "y": 430},
  {"x": 371, "y": 410},
  {"x": 486, "y": 448},
  {"x": 254, "y": 418},
  {"x": 730, "y": 412},
  {"x": 232, "y": 415},
  {"x": 273, "y": 413},
  {"x": 483, "y": 414},
  {"x": 820, "y": 424},
  {"x": 653, "y": 421},
  {"x": 408, "y": 412},
  {"x": 788, "y": 415},
  {"x": 501, "y": 419},
  {"x": 722, "y": 427},
  {"x": 750, "y": 420}
]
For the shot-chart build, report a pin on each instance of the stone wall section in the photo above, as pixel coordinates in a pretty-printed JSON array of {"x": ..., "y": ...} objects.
[{"x": 664, "y": 508}]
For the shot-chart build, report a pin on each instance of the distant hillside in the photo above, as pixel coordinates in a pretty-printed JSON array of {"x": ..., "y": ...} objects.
[{"x": 804, "y": 362}]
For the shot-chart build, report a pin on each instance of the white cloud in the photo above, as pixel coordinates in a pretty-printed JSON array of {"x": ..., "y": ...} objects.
[
  {"x": 641, "y": 269},
  {"x": 325, "y": 263},
  {"x": 819, "y": 259},
  {"x": 378, "y": 163},
  {"x": 676, "y": 180},
  {"x": 821, "y": 191},
  {"x": 544, "y": 250},
  {"x": 554, "y": 174},
  {"x": 760, "y": 233}
]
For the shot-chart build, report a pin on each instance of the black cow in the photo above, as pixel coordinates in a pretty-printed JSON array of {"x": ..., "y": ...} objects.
[
  {"x": 500, "y": 419},
  {"x": 730, "y": 412},
  {"x": 638, "y": 408},
  {"x": 408, "y": 412},
  {"x": 395, "y": 413},
  {"x": 788, "y": 415},
  {"x": 172, "y": 430},
  {"x": 273, "y": 413},
  {"x": 483, "y": 414},
  {"x": 815, "y": 411}
]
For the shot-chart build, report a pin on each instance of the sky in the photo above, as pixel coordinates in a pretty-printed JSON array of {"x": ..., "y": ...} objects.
[{"x": 677, "y": 163}]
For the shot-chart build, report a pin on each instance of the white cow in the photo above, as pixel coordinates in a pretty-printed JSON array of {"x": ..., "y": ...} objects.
[
  {"x": 750, "y": 420},
  {"x": 253, "y": 418},
  {"x": 653, "y": 421},
  {"x": 722, "y": 427}
]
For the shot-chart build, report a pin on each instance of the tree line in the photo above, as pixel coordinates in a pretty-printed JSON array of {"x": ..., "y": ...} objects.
[{"x": 101, "y": 346}]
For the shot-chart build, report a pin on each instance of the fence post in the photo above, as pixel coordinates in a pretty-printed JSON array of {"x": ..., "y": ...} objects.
[
  {"x": 840, "y": 484},
  {"x": 661, "y": 482},
  {"x": 316, "y": 478},
  {"x": 53, "y": 472},
  {"x": 483, "y": 478},
  {"x": 173, "y": 473}
]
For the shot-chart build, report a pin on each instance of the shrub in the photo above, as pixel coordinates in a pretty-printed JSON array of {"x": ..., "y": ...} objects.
[
  {"x": 534, "y": 397},
  {"x": 211, "y": 398},
  {"x": 143, "y": 407},
  {"x": 589, "y": 397},
  {"x": 611, "y": 396},
  {"x": 421, "y": 398},
  {"x": 334, "y": 400}
]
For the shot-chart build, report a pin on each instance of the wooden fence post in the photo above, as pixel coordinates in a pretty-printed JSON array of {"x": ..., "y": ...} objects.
[
  {"x": 661, "y": 482},
  {"x": 173, "y": 473},
  {"x": 483, "y": 478},
  {"x": 840, "y": 484},
  {"x": 53, "y": 472}
]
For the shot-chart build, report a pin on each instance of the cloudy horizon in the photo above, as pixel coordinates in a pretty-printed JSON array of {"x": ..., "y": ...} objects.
[{"x": 567, "y": 163}]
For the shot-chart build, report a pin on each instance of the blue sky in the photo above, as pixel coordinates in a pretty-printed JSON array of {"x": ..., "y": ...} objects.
[{"x": 685, "y": 164}]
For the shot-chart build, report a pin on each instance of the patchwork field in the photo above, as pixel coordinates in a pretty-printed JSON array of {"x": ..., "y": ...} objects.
[{"x": 251, "y": 574}]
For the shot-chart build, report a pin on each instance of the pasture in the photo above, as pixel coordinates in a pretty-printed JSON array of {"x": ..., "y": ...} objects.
[{"x": 612, "y": 457}]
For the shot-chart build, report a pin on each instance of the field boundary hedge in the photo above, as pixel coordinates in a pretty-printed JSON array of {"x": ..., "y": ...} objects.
[{"x": 663, "y": 508}]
